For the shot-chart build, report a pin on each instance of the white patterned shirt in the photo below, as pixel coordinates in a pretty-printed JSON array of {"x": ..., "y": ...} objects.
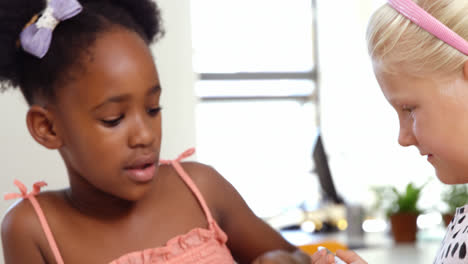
[{"x": 454, "y": 245}]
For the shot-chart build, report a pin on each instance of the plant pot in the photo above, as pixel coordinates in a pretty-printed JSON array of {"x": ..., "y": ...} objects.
[
  {"x": 404, "y": 227},
  {"x": 447, "y": 218}
]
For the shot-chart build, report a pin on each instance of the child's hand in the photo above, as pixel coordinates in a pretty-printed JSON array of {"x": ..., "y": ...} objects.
[
  {"x": 350, "y": 257},
  {"x": 283, "y": 257},
  {"x": 323, "y": 257}
]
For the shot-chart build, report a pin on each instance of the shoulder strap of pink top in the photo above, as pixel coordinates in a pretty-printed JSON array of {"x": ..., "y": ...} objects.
[
  {"x": 186, "y": 178},
  {"x": 40, "y": 214}
]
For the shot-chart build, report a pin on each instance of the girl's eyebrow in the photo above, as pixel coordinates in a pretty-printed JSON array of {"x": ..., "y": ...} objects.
[
  {"x": 113, "y": 99},
  {"x": 397, "y": 99},
  {"x": 156, "y": 88},
  {"x": 124, "y": 97}
]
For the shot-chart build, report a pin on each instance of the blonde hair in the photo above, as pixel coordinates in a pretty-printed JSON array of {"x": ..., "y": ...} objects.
[{"x": 396, "y": 44}]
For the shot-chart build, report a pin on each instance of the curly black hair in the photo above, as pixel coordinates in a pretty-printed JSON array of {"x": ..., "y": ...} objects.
[{"x": 38, "y": 78}]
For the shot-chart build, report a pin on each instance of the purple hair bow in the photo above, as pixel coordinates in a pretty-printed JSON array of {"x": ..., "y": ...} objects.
[{"x": 36, "y": 38}]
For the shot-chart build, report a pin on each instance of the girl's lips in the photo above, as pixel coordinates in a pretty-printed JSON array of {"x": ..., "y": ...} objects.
[
  {"x": 429, "y": 157},
  {"x": 141, "y": 174}
]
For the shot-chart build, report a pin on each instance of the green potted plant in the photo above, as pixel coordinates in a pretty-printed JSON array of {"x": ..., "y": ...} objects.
[
  {"x": 402, "y": 209},
  {"x": 453, "y": 196}
]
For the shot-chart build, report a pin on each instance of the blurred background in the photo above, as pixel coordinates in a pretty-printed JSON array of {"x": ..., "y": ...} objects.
[{"x": 249, "y": 83}]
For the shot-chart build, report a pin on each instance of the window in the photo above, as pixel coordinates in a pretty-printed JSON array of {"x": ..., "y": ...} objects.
[{"x": 256, "y": 116}]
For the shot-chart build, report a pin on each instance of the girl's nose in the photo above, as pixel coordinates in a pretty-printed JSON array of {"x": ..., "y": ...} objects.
[
  {"x": 142, "y": 133},
  {"x": 406, "y": 137}
]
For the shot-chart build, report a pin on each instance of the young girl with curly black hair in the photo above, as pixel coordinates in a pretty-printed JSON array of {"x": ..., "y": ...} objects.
[{"x": 87, "y": 73}]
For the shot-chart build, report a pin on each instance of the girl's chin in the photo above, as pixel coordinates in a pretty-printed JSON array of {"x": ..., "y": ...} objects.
[
  {"x": 135, "y": 193},
  {"x": 451, "y": 178}
]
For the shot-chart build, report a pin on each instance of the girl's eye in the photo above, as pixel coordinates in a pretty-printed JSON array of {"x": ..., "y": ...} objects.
[
  {"x": 408, "y": 109},
  {"x": 112, "y": 122},
  {"x": 154, "y": 111}
]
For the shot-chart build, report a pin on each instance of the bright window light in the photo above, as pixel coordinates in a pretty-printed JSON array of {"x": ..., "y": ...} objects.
[{"x": 252, "y": 35}]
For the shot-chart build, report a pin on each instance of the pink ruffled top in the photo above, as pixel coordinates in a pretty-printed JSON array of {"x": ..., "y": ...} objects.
[{"x": 200, "y": 245}]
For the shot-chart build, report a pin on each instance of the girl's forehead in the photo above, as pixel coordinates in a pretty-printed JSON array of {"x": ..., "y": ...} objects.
[
  {"x": 401, "y": 89},
  {"x": 398, "y": 88},
  {"x": 119, "y": 62}
]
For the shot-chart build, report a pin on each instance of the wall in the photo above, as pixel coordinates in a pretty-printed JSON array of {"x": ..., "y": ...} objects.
[{"x": 22, "y": 158}]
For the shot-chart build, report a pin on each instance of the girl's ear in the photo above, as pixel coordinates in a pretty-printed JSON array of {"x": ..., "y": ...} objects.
[
  {"x": 41, "y": 126},
  {"x": 465, "y": 70}
]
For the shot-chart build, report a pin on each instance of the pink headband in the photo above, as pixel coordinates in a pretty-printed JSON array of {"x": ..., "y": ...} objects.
[{"x": 423, "y": 19}]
